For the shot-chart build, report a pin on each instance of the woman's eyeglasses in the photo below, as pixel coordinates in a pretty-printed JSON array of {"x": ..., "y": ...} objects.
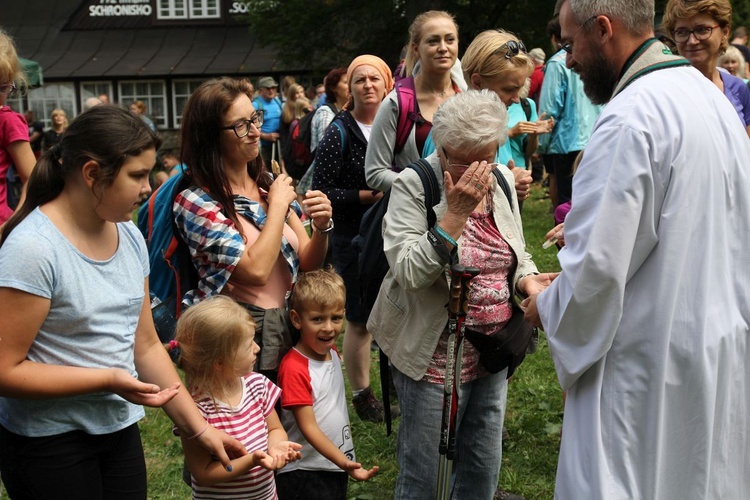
[
  {"x": 242, "y": 127},
  {"x": 462, "y": 165},
  {"x": 700, "y": 33},
  {"x": 511, "y": 48},
  {"x": 7, "y": 88}
]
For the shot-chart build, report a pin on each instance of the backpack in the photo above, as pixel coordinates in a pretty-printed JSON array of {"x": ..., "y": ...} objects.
[
  {"x": 298, "y": 155},
  {"x": 172, "y": 272},
  {"x": 407, "y": 111}
]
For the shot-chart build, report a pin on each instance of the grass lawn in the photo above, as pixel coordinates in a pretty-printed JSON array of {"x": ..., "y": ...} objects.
[{"x": 533, "y": 418}]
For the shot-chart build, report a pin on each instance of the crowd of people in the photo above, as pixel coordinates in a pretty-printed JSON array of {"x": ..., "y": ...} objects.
[{"x": 648, "y": 321}]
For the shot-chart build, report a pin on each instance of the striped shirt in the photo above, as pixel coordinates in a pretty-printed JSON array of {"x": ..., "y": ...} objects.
[{"x": 247, "y": 423}]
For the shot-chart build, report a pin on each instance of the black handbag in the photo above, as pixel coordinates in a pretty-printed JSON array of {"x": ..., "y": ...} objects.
[{"x": 506, "y": 348}]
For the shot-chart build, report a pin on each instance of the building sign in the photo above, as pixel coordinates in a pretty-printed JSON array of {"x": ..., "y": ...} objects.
[
  {"x": 116, "y": 8},
  {"x": 112, "y": 14},
  {"x": 130, "y": 14}
]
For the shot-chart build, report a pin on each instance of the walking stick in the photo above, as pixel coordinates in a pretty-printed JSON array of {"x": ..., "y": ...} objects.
[{"x": 458, "y": 305}]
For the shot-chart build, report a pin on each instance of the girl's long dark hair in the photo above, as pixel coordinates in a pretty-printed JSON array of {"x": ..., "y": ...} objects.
[
  {"x": 105, "y": 134},
  {"x": 202, "y": 120}
]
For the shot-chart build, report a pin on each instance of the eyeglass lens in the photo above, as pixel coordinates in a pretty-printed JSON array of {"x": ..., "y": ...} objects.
[
  {"x": 700, "y": 33},
  {"x": 242, "y": 128}
]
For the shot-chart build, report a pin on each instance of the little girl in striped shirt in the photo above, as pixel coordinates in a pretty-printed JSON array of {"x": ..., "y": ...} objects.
[{"x": 217, "y": 354}]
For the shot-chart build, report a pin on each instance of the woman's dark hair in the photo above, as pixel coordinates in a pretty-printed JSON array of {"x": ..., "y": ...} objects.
[
  {"x": 105, "y": 134},
  {"x": 202, "y": 120},
  {"x": 332, "y": 79}
]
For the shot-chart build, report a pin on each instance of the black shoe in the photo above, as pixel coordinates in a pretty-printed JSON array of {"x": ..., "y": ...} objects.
[{"x": 505, "y": 495}]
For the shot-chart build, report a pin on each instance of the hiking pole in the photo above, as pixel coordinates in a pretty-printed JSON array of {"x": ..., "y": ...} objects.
[{"x": 458, "y": 305}]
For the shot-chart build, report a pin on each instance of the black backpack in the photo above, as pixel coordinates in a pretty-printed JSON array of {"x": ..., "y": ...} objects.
[
  {"x": 372, "y": 264},
  {"x": 298, "y": 155}
]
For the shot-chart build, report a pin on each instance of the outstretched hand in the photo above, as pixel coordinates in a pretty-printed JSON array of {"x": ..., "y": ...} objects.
[
  {"x": 131, "y": 389},
  {"x": 278, "y": 455},
  {"x": 356, "y": 472}
]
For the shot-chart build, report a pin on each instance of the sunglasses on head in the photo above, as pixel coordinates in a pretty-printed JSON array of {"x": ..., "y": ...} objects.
[{"x": 511, "y": 48}]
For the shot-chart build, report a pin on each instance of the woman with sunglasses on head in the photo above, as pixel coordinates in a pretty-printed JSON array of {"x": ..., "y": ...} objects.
[
  {"x": 433, "y": 47},
  {"x": 477, "y": 226},
  {"x": 701, "y": 31},
  {"x": 242, "y": 225},
  {"x": 497, "y": 60},
  {"x": 14, "y": 131}
]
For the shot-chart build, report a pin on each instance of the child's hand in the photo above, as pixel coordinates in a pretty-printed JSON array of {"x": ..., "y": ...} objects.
[
  {"x": 355, "y": 470},
  {"x": 280, "y": 454}
]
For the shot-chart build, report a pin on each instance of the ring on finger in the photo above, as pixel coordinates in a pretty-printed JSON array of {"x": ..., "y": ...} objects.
[{"x": 479, "y": 186}]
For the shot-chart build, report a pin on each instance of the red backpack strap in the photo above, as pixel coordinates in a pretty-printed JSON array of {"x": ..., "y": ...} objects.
[{"x": 407, "y": 111}]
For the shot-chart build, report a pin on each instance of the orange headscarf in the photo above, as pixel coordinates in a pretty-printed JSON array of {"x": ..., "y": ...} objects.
[{"x": 376, "y": 63}]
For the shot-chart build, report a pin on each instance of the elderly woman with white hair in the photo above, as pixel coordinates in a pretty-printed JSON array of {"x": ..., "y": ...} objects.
[{"x": 476, "y": 226}]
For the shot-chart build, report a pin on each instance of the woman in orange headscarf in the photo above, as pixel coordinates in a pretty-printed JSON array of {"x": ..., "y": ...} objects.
[{"x": 340, "y": 174}]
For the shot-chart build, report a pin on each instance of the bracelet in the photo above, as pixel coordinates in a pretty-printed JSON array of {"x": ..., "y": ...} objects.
[
  {"x": 200, "y": 432},
  {"x": 445, "y": 236},
  {"x": 326, "y": 230}
]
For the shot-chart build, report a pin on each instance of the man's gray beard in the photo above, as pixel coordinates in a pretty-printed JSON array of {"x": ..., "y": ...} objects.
[{"x": 599, "y": 79}]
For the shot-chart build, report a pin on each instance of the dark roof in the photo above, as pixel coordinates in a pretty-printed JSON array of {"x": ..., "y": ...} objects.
[{"x": 41, "y": 31}]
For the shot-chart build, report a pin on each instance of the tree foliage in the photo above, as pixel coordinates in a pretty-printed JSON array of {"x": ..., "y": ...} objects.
[
  {"x": 323, "y": 34},
  {"x": 318, "y": 35}
]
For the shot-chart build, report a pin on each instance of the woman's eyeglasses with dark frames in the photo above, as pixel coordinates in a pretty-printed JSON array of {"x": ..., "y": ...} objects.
[
  {"x": 700, "y": 33},
  {"x": 242, "y": 127}
]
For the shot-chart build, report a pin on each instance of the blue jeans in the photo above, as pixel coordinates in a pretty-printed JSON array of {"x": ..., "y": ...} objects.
[{"x": 479, "y": 434}]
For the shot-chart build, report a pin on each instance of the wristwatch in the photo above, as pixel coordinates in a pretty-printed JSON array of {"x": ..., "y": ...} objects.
[{"x": 326, "y": 230}]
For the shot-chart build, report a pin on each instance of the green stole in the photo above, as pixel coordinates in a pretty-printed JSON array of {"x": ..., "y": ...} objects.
[{"x": 651, "y": 56}]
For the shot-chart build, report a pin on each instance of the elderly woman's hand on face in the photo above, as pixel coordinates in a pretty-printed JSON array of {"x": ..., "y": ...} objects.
[
  {"x": 464, "y": 196},
  {"x": 318, "y": 207}
]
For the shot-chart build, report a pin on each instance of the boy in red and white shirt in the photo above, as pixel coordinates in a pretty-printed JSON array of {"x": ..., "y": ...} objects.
[{"x": 313, "y": 398}]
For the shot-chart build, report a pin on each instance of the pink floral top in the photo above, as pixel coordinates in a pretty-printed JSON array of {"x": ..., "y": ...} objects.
[{"x": 483, "y": 247}]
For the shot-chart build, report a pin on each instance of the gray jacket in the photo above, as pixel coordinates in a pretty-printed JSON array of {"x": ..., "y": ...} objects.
[{"x": 411, "y": 310}]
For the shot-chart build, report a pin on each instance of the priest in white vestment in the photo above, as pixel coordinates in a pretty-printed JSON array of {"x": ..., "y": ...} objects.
[{"x": 648, "y": 323}]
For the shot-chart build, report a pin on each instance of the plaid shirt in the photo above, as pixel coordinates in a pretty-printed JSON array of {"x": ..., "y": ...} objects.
[{"x": 215, "y": 243}]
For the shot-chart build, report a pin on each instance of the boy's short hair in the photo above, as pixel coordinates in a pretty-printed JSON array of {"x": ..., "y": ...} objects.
[{"x": 322, "y": 287}]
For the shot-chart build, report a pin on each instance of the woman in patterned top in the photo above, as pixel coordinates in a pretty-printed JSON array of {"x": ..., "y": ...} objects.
[
  {"x": 242, "y": 225},
  {"x": 340, "y": 174}
]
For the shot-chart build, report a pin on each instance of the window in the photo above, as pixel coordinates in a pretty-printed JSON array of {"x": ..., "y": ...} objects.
[
  {"x": 181, "y": 90},
  {"x": 152, "y": 93},
  {"x": 204, "y": 9},
  {"x": 95, "y": 89},
  {"x": 52, "y": 96},
  {"x": 188, "y": 9}
]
